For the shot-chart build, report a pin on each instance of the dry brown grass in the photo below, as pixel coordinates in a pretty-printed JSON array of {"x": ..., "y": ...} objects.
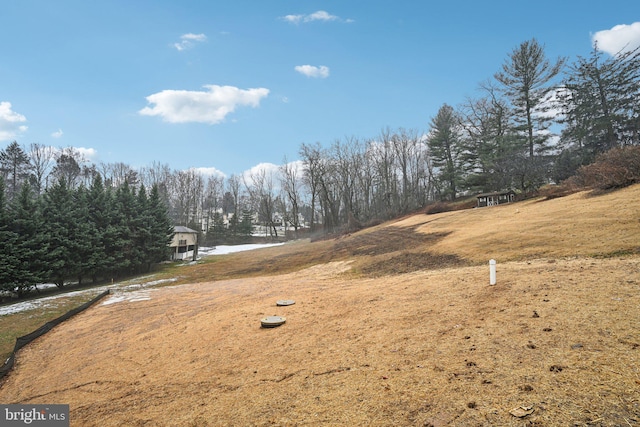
[{"x": 394, "y": 325}]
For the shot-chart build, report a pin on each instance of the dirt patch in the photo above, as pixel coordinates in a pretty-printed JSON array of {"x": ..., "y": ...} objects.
[
  {"x": 386, "y": 240},
  {"x": 409, "y": 262}
]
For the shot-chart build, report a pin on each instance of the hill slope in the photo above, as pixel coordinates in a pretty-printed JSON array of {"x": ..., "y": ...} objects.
[{"x": 394, "y": 325}]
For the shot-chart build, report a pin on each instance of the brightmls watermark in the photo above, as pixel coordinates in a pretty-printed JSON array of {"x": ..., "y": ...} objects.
[{"x": 34, "y": 415}]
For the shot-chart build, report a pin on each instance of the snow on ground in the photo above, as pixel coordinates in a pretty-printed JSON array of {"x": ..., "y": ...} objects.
[
  {"x": 134, "y": 292},
  {"x": 128, "y": 291},
  {"x": 47, "y": 302},
  {"x": 228, "y": 249},
  {"x": 131, "y": 290},
  {"x": 143, "y": 295}
]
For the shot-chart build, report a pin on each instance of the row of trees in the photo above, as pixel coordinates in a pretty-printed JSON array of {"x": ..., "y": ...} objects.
[
  {"x": 76, "y": 233},
  {"x": 506, "y": 139},
  {"x": 534, "y": 122}
]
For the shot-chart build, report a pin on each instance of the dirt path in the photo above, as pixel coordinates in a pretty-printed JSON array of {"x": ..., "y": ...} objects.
[{"x": 425, "y": 348}]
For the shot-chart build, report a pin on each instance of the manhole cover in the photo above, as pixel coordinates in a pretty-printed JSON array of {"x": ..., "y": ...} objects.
[
  {"x": 272, "y": 321},
  {"x": 283, "y": 302}
]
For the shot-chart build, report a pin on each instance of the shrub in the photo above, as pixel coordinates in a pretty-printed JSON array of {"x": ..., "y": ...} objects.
[
  {"x": 553, "y": 191},
  {"x": 617, "y": 168},
  {"x": 438, "y": 207}
]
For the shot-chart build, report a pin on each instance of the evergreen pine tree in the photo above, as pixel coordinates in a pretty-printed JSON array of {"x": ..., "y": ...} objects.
[
  {"x": 445, "y": 145},
  {"x": 161, "y": 229},
  {"x": 9, "y": 269},
  {"x": 123, "y": 229},
  {"x": 100, "y": 260},
  {"x": 217, "y": 229},
  {"x": 600, "y": 103},
  {"x": 245, "y": 227},
  {"x": 85, "y": 236},
  {"x": 30, "y": 248},
  {"x": 526, "y": 77},
  {"x": 59, "y": 229},
  {"x": 110, "y": 235},
  {"x": 143, "y": 223},
  {"x": 14, "y": 165}
]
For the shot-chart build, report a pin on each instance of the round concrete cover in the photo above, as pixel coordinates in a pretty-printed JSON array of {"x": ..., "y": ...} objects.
[
  {"x": 282, "y": 302},
  {"x": 272, "y": 321}
]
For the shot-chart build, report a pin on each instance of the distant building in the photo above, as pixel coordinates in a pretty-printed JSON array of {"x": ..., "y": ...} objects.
[
  {"x": 184, "y": 244},
  {"x": 497, "y": 198}
]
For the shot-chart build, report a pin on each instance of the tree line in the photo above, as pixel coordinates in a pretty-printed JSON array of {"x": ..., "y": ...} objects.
[
  {"x": 77, "y": 233},
  {"x": 535, "y": 121}
]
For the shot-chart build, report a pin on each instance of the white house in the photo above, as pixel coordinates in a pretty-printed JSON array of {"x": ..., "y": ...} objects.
[{"x": 184, "y": 244}]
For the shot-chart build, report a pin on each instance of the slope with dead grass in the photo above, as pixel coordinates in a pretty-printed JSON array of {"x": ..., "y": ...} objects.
[{"x": 394, "y": 325}]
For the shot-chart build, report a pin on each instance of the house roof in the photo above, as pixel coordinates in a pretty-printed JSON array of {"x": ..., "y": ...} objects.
[
  {"x": 496, "y": 193},
  {"x": 182, "y": 229}
]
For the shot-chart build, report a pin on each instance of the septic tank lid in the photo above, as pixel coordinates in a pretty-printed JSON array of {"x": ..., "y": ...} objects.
[{"x": 272, "y": 321}]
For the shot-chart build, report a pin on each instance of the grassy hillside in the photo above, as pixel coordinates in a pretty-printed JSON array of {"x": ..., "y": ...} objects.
[
  {"x": 393, "y": 325},
  {"x": 581, "y": 224}
]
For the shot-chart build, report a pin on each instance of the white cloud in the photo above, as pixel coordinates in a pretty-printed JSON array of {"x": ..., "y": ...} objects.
[
  {"x": 210, "y": 106},
  {"x": 620, "y": 38},
  {"x": 320, "y": 15},
  {"x": 298, "y": 167},
  {"x": 10, "y": 122},
  {"x": 211, "y": 171},
  {"x": 187, "y": 41},
  {"x": 313, "y": 71},
  {"x": 269, "y": 169},
  {"x": 88, "y": 153},
  {"x": 81, "y": 154},
  {"x": 57, "y": 134}
]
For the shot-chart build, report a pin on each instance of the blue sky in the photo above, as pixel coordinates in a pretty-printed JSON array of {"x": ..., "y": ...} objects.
[{"x": 229, "y": 85}]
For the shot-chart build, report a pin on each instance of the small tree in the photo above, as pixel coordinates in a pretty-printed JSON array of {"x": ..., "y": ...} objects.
[
  {"x": 245, "y": 227},
  {"x": 217, "y": 231},
  {"x": 15, "y": 168}
]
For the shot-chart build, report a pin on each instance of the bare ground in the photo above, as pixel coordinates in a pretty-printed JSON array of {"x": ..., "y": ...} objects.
[{"x": 422, "y": 340}]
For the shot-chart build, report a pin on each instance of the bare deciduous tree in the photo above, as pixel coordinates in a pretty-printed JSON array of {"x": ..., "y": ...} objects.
[
  {"x": 42, "y": 159},
  {"x": 290, "y": 183}
]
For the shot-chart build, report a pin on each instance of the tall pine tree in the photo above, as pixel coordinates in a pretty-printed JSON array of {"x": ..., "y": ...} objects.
[
  {"x": 161, "y": 229},
  {"x": 445, "y": 146},
  {"x": 30, "y": 249},
  {"x": 9, "y": 269},
  {"x": 14, "y": 166},
  {"x": 527, "y": 77},
  {"x": 123, "y": 230},
  {"x": 143, "y": 223},
  {"x": 601, "y": 103},
  {"x": 60, "y": 224},
  {"x": 99, "y": 204}
]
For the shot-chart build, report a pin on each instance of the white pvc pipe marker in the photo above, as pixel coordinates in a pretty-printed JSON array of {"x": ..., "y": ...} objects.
[{"x": 492, "y": 271}]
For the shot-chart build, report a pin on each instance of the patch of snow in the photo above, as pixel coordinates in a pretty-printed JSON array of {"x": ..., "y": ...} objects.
[
  {"x": 134, "y": 292},
  {"x": 228, "y": 249},
  {"x": 46, "y": 302},
  {"x": 128, "y": 296},
  {"x": 130, "y": 290},
  {"x": 124, "y": 291}
]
